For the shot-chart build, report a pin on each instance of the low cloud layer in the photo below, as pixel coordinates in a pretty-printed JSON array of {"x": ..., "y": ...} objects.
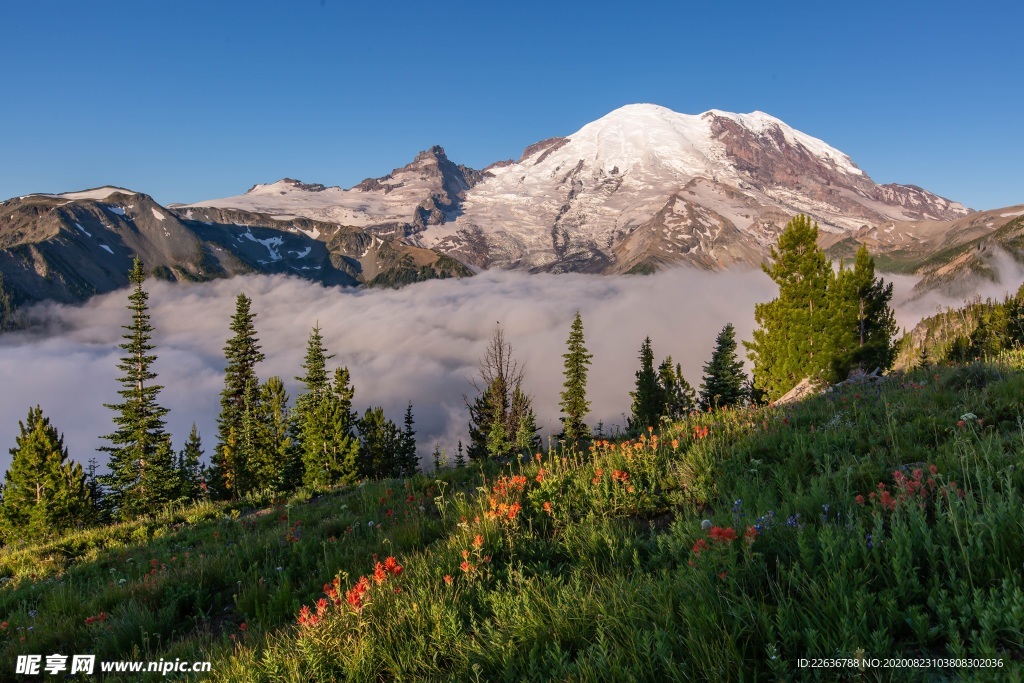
[{"x": 418, "y": 344}]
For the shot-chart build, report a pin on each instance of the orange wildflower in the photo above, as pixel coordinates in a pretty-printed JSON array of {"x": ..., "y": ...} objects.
[{"x": 392, "y": 566}]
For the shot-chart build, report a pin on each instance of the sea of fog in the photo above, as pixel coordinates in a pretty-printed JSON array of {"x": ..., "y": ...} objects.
[{"x": 420, "y": 344}]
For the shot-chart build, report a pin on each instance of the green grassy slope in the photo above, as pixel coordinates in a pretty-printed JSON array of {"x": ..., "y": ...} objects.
[{"x": 882, "y": 521}]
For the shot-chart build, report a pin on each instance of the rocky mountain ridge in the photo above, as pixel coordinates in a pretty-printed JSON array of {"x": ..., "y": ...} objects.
[
  {"x": 639, "y": 189},
  {"x": 68, "y": 247}
]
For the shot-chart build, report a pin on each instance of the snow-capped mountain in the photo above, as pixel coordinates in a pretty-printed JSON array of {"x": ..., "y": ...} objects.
[
  {"x": 645, "y": 186},
  {"x": 427, "y": 191},
  {"x": 641, "y": 187}
]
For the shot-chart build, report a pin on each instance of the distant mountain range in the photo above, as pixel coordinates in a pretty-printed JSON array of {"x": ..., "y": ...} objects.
[{"x": 640, "y": 189}]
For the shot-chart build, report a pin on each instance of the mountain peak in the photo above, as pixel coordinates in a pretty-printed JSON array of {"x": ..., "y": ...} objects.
[
  {"x": 284, "y": 185},
  {"x": 435, "y": 152},
  {"x": 642, "y": 184}
]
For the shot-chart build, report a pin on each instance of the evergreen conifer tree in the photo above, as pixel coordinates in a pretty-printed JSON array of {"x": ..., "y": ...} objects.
[
  {"x": 242, "y": 353},
  {"x": 678, "y": 396},
  {"x": 647, "y": 397},
  {"x": 495, "y": 414},
  {"x": 8, "y": 312},
  {"x": 380, "y": 443},
  {"x": 345, "y": 468},
  {"x": 460, "y": 459},
  {"x": 575, "y": 405},
  {"x": 282, "y": 469},
  {"x": 863, "y": 324},
  {"x": 439, "y": 458},
  {"x": 525, "y": 437},
  {"x": 251, "y": 459},
  {"x": 158, "y": 480},
  {"x": 314, "y": 410},
  {"x": 723, "y": 374},
  {"x": 499, "y": 442},
  {"x": 140, "y": 460},
  {"x": 190, "y": 467},
  {"x": 408, "y": 461},
  {"x": 794, "y": 337},
  {"x": 326, "y": 423},
  {"x": 96, "y": 494},
  {"x": 44, "y": 493}
]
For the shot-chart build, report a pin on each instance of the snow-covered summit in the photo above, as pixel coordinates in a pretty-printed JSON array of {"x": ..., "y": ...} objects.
[
  {"x": 649, "y": 133},
  {"x": 641, "y": 184},
  {"x": 98, "y": 193}
]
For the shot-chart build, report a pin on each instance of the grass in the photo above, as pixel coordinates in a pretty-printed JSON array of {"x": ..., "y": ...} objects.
[{"x": 876, "y": 521}]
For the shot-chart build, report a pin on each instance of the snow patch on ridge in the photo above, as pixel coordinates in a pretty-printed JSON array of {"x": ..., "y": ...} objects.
[
  {"x": 98, "y": 193},
  {"x": 271, "y": 244}
]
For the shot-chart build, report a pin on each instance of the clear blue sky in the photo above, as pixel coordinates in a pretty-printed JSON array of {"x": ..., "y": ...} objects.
[{"x": 194, "y": 100}]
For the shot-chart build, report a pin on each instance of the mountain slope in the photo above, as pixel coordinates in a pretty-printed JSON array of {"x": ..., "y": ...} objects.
[
  {"x": 70, "y": 246},
  {"x": 641, "y": 188},
  {"x": 645, "y": 185},
  {"x": 427, "y": 191},
  {"x": 952, "y": 256}
]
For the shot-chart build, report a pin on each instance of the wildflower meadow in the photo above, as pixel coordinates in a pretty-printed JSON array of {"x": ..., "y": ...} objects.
[{"x": 884, "y": 521}]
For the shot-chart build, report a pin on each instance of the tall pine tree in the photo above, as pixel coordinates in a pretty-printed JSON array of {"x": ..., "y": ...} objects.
[
  {"x": 380, "y": 445},
  {"x": 408, "y": 461},
  {"x": 647, "y": 397},
  {"x": 794, "y": 339},
  {"x": 678, "y": 396},
  {"x": 281, "y": 466},
  {"x": 242, "y": 353},
  {"x": 521, "y": 415},
  {"x": 822, "y": 324},
  {"x": 724, "y": 378},
  {"x": 142, "y": 473},
  {"x": 575, "y": 405},
  {"x": 324, "y": 421},
  {"x": 44, "y": 492},
  {"x": 501, "y": 409},
  {"x": 191, "y": 472},
  {"x": 863, "y": 323}
]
